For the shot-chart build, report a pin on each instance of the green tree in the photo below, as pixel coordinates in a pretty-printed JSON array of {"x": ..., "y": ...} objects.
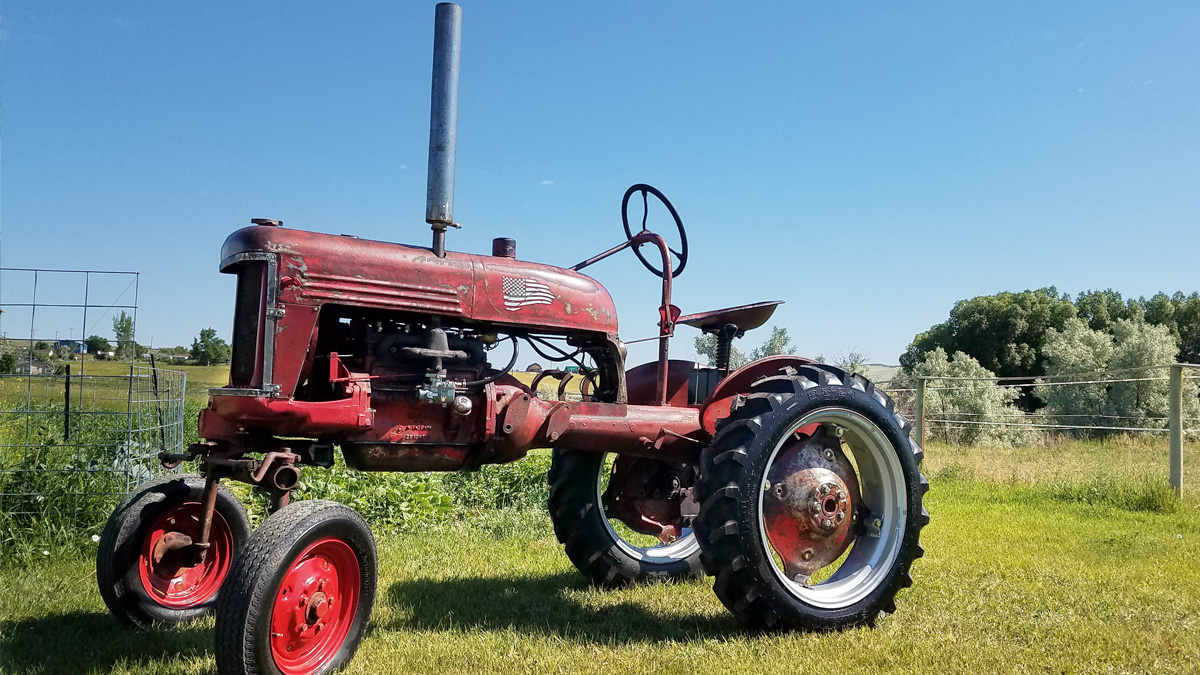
[
  {"x": 1003, "y": 332},
  {"x": 1143, "y": 402},
  {"x": 41, "y": 346},
  {"x": 1180, "y": 314},
  {"x": 208, "y": 349},
  {"x": 123, "y": 329},
  {"x": 1077, "y": 349},
  {"x": 706, "y": 346},
  {"x": 8, "y": 363},
  {"x": 1101, "y": 309},
  {"x": 97, "y": 346},
  {"x": 778, "y": 343}
]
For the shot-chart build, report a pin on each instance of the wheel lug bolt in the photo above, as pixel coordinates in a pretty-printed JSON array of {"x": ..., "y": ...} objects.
[
  {"x": 841, "y": 495},
  {"x": 827, "y": 523},
  {"x": 841, "y": 516},
  {"x": 816, "y": 507},
  {"x": 824, "y": 490}
]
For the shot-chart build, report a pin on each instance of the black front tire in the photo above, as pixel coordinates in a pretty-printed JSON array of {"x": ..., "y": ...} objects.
[
  {"x": 271, "y": 573},
  {"x": 749, "y": 581},
  {"x": 120, "y": 555},
  {"x": 592, "y": 545}
]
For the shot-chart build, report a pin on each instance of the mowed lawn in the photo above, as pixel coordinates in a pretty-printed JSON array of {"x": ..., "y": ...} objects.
[{"x": 1014, "y": 581}]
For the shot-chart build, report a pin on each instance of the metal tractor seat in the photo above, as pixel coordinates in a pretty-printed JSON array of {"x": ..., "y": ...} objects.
[
  {"x": 730, "y": 323},
  {"x": 745, "y": 317}
]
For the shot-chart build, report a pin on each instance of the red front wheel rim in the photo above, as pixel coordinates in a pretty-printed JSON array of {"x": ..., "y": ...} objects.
[
  {"x": 315, "y": 607},
  {"x": 168, "y": 578}
]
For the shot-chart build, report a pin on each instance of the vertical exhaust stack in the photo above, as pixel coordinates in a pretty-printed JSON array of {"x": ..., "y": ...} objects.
[{"x": 443, "y": 123}]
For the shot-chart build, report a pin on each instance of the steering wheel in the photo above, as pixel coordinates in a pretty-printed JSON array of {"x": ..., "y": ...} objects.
[{"x": 646, "y": 190}]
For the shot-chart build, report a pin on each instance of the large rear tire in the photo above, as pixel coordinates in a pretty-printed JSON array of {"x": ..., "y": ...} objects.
[
  {"x": 609, "y": 555},
  {"x": 811, "y": 502},
  {"x": 300, "y": 595},
  {"x": 140, "y": 580}
]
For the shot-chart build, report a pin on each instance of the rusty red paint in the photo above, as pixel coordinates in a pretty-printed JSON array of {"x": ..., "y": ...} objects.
[
  {"x": 523, "y": 422},
  {"x": 810, "y": 497},
  {"x": 716, "y": 406},
  {"x": 642, "y": 382},
  {"x": 169, "y": 574},
  {"x": 361, "y": 272}
]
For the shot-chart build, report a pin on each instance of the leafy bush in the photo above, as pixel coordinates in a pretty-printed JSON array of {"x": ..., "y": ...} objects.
[
  {"x": 967, "y": 406},
  {"x": 1077, "y": 349},
  {"x": 78, "y": 482},
  {"x": 1126, "y": 395},
  {"x": 383, "y": 498},
  {"x": 521, "y": 484}
]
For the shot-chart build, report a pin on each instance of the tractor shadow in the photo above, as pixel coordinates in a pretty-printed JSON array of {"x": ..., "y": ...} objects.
[
  {"x": 79, "y": 642},
  {"x": 559, "y": 605}
]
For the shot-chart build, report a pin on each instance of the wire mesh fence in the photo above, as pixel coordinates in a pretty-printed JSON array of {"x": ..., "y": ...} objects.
[
  {"x": 70, "y": 445},
  {"x": 81, "y": 418}
]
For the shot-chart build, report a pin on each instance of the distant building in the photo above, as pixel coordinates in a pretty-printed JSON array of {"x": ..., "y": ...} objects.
[
  {"x": 34, "y": 367},
  {"x": 74, "y": 346},
  {"x": 533, "y": 368}
]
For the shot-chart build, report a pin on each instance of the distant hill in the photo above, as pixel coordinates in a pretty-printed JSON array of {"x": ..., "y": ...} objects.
[{"x": 881, "y": 372}]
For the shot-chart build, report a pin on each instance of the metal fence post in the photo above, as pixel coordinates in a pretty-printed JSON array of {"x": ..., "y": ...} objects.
[
  {"x": 919, "y": 422},
  {"x": 1175, "y": 424},
  {"x": 67, "y": 405}
]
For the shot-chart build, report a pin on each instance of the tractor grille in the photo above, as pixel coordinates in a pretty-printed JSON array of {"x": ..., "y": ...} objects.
[{"x": 246, "y": 362}]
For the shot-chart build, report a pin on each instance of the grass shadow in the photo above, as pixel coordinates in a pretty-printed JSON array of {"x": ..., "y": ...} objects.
[
  {"x": 544, "y": 606},
  {"x": 79, "y": 642}
]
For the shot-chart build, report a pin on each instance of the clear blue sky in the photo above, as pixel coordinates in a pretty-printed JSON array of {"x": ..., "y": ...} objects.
[{"x": 868, "y": 163}]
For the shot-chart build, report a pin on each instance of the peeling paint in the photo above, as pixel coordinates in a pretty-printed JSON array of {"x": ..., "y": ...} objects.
[
  {"x": 276, "y": 247},
  {"x": 297, "y": 263}
]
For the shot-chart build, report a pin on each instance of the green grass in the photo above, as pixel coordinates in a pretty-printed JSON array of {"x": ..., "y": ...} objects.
[
  {"x": 1134, "y": 462},
  {"x": 1016, "y": 579}
]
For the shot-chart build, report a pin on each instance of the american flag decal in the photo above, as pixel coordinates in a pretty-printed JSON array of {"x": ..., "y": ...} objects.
[{"x": 520, "y": 292}]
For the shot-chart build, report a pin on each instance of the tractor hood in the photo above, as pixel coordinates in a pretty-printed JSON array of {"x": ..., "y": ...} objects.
[{"x": 314, "y": 269}]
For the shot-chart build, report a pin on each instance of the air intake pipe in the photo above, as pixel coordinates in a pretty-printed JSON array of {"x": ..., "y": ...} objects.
[{"x": 443, "y": 122}]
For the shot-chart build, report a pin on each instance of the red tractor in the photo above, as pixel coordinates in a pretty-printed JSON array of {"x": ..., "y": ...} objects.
[{"x": 793, "y": 482}]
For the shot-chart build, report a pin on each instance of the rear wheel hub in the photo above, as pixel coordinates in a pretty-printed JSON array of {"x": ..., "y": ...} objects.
[{"x": 809, "y": 499}]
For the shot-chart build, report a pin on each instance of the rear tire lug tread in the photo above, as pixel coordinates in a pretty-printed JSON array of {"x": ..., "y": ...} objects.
[{"x": 736, "y": 583}]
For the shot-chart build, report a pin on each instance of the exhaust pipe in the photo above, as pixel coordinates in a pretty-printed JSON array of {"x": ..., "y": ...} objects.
[{"x": 443, "y": 123}]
